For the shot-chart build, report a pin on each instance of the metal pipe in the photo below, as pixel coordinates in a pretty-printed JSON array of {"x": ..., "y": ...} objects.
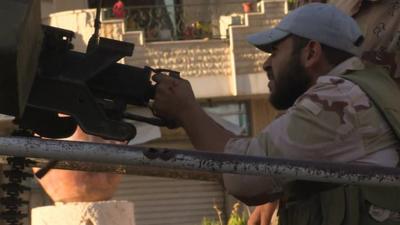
[{"x": 169, "y": 159}]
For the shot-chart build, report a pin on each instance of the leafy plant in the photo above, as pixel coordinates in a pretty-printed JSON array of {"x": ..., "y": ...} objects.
[
  {"x": 207, "y": 221},
  {"x": 234, "y": 218}
]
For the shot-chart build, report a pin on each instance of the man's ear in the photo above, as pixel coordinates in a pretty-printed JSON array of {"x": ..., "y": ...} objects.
[{"x": 312, "y": 54}]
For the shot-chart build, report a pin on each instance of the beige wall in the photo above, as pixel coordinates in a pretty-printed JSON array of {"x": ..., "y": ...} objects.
[
  {"x": 248, "y": 60},
  {"x": 208, "y": 10},
  {"x": 206, "y": 64},
  {"x": 79, "y": 21},
  {"x": 113, "y": 29},
  {"x": 191, "y": 58},
  {"x": 52, "y": 6}
]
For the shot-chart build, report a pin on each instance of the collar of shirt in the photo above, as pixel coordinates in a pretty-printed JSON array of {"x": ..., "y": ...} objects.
[{"x": 353, "y": 63}]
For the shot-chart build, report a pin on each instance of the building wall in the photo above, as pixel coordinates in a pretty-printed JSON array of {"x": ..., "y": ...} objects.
[
  {"x": 206, "y": 64},
  {"x": 170, "y": 201},
  {"x": 52, "y": 6},
  {"x": 200, "y": 10},
  {"x": 250, "y": 78},
  {"x": 79, "y": 21}
]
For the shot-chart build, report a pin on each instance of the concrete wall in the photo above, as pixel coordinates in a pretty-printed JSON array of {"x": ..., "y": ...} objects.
[
  {"x": 250, "y": 77},
  {"x": 53, "y": 6},
  {"x": 79, "y": 21},
  {"x": 206, "y": 64},
  {"x": 208, "y": 10}
]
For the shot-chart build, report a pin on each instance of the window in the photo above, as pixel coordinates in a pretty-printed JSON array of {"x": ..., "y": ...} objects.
[{"x": 233, "y": 113}]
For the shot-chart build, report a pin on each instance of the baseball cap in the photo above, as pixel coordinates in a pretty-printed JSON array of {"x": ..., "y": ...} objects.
[{"x": 316, "y": 21}]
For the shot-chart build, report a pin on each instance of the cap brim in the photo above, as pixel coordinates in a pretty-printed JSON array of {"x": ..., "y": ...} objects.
[{"x": 265, "y": 39}]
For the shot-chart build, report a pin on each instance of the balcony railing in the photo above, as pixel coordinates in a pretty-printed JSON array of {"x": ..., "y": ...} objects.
[{"x": 184, "y": 22}]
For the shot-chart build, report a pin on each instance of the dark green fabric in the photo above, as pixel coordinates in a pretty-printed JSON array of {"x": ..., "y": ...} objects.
[
  {"x": 382, "y": 89},
  {"x": 383, "y": 197},
  {"x": 353, "y": 205},
  {"x": 388, "y": 197},
  {"x": 344, "y": 205},
  {"x": 305, "y": 212},
  {"x": 333, "y": 206}
]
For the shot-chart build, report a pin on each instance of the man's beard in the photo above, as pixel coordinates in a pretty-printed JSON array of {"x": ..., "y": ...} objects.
[{"x": 290, "y": 84}]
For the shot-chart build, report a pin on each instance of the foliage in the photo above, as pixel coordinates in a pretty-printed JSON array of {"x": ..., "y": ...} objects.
[
  {"x": 234, "y": 219},
  {"x": 207, "y": 221},
  {"x": 291, "y": 4}
]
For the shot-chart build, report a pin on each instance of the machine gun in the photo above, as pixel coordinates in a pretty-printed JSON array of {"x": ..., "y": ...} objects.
[
  {"x": 45, "y": 77},
  {"x": 42, "y": 76}
]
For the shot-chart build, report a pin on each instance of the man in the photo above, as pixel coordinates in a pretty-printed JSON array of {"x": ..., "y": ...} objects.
[
  {"x": 314, "y": 53},
  {"x": 379, "y": 21}
]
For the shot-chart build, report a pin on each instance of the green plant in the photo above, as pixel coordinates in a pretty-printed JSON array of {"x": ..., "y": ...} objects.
[
  {"x": 234, "y": 218},
  {"x": 207, "y": 221},
  {"x": 291, "y": 4}
]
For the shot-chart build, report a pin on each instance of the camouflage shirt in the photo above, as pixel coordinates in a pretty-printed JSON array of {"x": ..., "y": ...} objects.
[{"x": 333, "y": 121}]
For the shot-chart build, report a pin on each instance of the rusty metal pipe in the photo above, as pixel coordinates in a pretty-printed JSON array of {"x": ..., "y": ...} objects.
[{"x": 195, "y": 161}]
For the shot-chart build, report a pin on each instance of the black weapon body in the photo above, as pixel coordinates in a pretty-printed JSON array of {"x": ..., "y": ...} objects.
[
  {"x": 90, "y": 87},
  {"x": 44, "y": 77}
]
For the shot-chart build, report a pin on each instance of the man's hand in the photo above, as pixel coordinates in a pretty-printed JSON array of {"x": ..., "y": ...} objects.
[
  {"x": 174, "y": 98},
  {"x": 78, "y": 186},
  {"x": 262, "y": 215}
]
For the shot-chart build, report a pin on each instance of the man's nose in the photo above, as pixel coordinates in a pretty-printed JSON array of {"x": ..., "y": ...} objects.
[
  {"x": 268, "y": 68},
  {"x": 267, "y": 65}
]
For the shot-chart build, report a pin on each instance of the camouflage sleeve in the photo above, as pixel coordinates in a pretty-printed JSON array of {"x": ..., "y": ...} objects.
[{"x": 252, "y": 190}]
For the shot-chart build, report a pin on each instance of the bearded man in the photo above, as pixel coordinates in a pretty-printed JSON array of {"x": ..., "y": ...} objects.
[
  {"x": 316, "y": 74},
  {"x": 379, "y": 22}
]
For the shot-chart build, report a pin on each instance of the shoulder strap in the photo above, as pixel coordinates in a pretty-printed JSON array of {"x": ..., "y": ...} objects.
[{"x": 382, "y": 90}]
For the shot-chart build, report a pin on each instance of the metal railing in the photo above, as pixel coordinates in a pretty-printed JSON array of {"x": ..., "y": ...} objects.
[
  {"x": 187, "y": 164},
  {"x": 184, "y": 22}
]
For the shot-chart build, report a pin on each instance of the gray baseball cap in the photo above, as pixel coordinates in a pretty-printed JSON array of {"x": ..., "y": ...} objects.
[{"x": 316, "y": 21}]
